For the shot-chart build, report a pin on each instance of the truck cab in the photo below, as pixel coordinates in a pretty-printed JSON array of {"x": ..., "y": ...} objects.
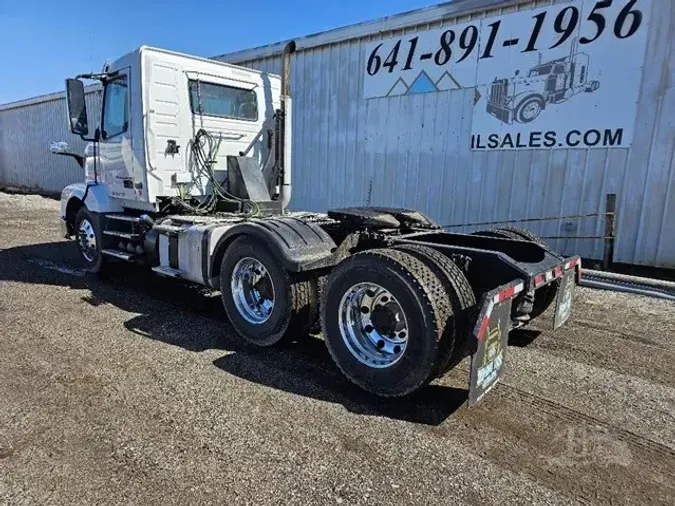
[{"x": 154, "y": 102}]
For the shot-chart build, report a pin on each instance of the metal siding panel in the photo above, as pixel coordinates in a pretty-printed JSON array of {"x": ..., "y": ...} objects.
[
  {"x": 27, "y": 130},
  {"x": 641, "y": 205},
  {"x": 464, "y": 164},
  {"x": 412, "y": 168},
  {"x": 334, "y": 134},
  {"x": 319, "y": 118},
  {"x": 300, "y": 105},
  {"x": 654, "y": 240},
  {"x": 416, "y": 157},
  {"x": 360, "y": 164},
  {"x": 412, "y": 151},
  {"x": 353, "y": 125}
]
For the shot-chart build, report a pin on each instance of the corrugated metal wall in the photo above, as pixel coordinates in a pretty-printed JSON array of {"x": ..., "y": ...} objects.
[
  {"x": 399, "y": 151},
  {"x": 26, "y": 131}
]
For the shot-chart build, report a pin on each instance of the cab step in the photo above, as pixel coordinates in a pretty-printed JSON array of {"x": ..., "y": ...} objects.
[
  {"x": 123, "y": 217},
  {"x": 123, "y": 235},
  {"x": 168, "y": 271},
  {"x": 121, "y": 255}
]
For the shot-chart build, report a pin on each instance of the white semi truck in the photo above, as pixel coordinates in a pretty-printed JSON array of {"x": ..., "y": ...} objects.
[{"x": 189, "y": 173}]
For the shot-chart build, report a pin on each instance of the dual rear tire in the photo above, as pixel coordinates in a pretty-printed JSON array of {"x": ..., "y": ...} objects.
[
  {"x": 393, "y": 319},
  {"x": 404, "y": 338}
]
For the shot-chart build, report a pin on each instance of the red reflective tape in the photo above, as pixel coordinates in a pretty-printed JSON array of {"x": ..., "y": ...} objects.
[
  {"x": 483, "y": 327},
  {"x": 507, "y": 293},
  {"x": 539, "y": 280},
  {"x": 557, "y": 272}
]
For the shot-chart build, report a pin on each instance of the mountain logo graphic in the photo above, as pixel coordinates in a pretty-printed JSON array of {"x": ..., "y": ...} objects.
[
  {"x": 422, "y": 84},
  {"x": 447, "y": 82},
  {"x": 400, "y": 88}
]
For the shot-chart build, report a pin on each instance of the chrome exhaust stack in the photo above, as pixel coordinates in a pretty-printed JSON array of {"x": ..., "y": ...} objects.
[{"x": 285, "y": 136}]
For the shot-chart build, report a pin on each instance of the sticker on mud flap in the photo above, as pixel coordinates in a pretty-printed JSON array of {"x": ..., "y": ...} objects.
[
  {"x": 565, "y": 299},
  {"x": 487, "y": 363}
]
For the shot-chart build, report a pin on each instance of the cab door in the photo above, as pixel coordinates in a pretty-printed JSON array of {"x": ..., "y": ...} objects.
[{"x": 115, "y": 146}]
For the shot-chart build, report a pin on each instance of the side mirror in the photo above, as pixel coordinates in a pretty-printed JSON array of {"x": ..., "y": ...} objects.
[{"x": 77, "y": 107}]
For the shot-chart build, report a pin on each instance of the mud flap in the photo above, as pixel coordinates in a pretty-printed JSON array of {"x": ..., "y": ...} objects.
[
  {"x": 490, "y": 338},
  {"x": 565, "y": 299}
]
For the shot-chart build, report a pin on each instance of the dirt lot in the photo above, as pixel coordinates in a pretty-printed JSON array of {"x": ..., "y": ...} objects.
[{"x": 135, "y": 390}]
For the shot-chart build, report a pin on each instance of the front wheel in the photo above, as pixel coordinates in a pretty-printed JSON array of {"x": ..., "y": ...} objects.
[
  {"x": 89, "y": 241},
  {"x": 529, "y": 109}
]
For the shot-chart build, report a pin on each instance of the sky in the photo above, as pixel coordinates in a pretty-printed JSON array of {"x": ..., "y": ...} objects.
[{"x": 42, "y": 42}]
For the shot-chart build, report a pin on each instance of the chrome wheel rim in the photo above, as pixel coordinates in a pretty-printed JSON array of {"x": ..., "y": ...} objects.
[
  {"x": 87, "y": 240},
  {"x": 252, "y": 290},
  {"x": 531, "y": 111},
  {"x": 373, "y": 325}
]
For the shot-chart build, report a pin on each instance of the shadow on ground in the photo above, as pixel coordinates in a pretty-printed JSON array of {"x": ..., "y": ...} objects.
[
  {"x": 191, "y": 317},
  {"x": 520, "y": 338}
]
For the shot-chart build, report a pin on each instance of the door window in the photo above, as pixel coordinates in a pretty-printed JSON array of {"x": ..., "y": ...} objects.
[{"x": 116, "y": 107}]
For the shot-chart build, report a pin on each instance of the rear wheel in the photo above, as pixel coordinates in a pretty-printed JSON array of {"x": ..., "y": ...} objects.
[
  {"x": 265, "y": 303},
  {"x": 383, "y": 317},
  {"x": 454, "y": 341},
  {"x": 523, "y": 233},
  {"x": 499, "y": 233}
]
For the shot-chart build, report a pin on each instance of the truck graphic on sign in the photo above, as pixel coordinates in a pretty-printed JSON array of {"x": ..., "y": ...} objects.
[{"x": 523, "y": 99}]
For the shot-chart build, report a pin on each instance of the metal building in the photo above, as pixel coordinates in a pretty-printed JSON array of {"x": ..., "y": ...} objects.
[
  {"x": 414, "y": 149},
  {"x": 375, "y": 122},
  {"x": 26, "y": 130}
]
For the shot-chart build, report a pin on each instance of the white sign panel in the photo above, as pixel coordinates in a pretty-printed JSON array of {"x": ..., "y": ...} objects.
[{"x": 563, "y": 76}]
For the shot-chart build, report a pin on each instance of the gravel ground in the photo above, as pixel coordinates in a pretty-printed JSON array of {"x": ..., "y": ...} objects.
[{"x": 135, "y": 390}]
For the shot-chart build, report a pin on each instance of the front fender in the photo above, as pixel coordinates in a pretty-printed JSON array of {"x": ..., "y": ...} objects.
[
  {"x": 526, "y": 95},
  {"x": 94, "y": 197}
]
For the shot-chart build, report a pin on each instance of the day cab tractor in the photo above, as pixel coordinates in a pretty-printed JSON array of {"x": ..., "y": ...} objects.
[
  {"x": 523, "y": 99},
  {"x": 189, "y": 174}
]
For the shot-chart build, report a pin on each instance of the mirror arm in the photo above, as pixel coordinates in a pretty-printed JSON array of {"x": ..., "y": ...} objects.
[
  {"x": 78, "y": 158},
  {"x": 95, "y": 138},
  {"x": 98, "y": 77}
]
